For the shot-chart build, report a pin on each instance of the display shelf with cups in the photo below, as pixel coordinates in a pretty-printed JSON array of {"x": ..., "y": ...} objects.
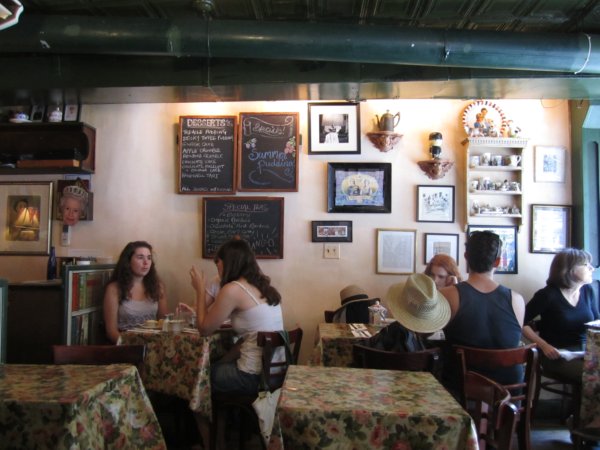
[
  {"x": 84, "y": 293},
  {"x": 494, "y": 177}
]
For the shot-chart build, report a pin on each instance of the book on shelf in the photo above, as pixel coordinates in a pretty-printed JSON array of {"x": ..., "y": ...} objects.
[{"x": 74, "y": 292}]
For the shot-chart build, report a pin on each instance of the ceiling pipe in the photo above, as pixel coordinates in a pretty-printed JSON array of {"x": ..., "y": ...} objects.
[{"x": 564, "y": 53}]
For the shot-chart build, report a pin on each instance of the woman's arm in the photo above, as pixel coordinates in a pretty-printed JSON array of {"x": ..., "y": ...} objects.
[
  {"x": 162, "y": 303},
  {"x": 209, "y": 320},
  {"x": 549, "y": 351},
  {"x": 111, "y": 312}
]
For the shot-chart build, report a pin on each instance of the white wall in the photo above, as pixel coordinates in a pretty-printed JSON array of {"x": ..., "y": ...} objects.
[{"x": 135, "y": 197}]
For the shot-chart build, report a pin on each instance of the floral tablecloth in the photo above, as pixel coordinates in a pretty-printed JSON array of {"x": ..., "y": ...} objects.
[
  {"x": 334, "y": 343},
  {"x": 590, "y": 400},
  {"x": 344, "y": 408},
  {"x": 76, "y": 407},
  {"x": 179, "y": 364}
]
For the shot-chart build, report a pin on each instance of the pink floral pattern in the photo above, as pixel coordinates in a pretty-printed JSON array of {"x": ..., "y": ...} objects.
[
  {"x": 334, "y": 344},
  {"x": 590, "y": 400},
  {"x": 76, "y": 407},
  {"x": 331, "y": 407},
  {"x": 179, "y": 364}
]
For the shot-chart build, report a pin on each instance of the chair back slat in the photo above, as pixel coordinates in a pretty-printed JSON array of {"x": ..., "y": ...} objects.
[
  {"x": 270, "y": 341},
  {"x": 99, "y": 354},
  {"x": 421, "y": 361}
]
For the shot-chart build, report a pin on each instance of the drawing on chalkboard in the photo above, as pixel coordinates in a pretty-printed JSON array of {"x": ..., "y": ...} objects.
[
  {"x": 259, "y": 220},
  {"x": 268, "y": 157},
  {"x": 359, "y": 187},
  {"x": 207, "y": 156},
  {"x": 334, "y": 128}
]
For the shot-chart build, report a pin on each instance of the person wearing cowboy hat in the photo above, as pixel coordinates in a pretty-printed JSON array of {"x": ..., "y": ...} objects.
[
  {"x": 355, "y": 305},
  {"x": 419, "y": 310}
]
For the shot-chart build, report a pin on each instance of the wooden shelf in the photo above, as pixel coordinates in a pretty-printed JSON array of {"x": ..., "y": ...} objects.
[{"x": 479, "y": 192}]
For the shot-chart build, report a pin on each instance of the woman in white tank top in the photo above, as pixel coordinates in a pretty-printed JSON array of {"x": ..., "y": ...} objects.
[{"x": 248, "y": 299}]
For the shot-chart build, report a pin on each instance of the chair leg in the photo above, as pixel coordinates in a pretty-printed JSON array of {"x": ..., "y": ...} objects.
[{"x": 523, "y": 435}]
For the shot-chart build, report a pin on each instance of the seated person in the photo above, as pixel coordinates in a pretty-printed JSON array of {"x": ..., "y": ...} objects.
[
  {"x": 443, "y": 270},
  {"x": 484, "y": 314},
  {"x": 355, "y": 305},
  {"x": 419, "y": 310},
  {"x": 134, "y": 292}
]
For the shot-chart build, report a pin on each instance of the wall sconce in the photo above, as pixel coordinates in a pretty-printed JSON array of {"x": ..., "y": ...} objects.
[{"x": 436, "y": 167}]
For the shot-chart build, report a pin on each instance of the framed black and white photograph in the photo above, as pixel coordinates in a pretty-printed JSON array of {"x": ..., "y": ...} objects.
[
  {"x": 332, "y": 231},
  {"x": 437, "y": 243},
  {"x": 509, "y": 253},
  {"x": 334, "y": 128},
  {"x": 359, "y": 187},
  {"x": 396, "y": 251},
  {"x": 550, "y": 228},
  {"x": 549, "y": 164},
  {"x": 72, "y": 112},
  {"x": 435, "y": 203},
  {"x": 25, "y": 215}
]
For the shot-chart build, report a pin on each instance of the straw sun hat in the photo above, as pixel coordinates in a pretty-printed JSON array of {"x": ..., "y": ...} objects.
[
  {"x": 354, "y": 292},
  {"x": 418, "y": 305}
]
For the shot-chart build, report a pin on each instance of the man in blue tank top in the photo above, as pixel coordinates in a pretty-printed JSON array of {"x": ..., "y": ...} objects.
[{"x": 485, "y": 314}]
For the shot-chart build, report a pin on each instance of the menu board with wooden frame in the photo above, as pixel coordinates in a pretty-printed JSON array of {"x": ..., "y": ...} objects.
[
  {"x": 268, "y": 152},
  {"x": 207, "y": 154}
]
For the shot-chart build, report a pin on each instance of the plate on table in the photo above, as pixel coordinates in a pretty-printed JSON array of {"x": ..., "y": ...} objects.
[{"x": 151, "y": 326}]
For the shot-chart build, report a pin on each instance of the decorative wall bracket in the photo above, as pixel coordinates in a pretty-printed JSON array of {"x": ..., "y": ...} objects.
[
  {"x": 384, "y": 140},
  {"x": 435, "y": 168}
]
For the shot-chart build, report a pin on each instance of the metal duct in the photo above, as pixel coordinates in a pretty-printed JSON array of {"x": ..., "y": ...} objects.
[{"x": 566, "y": 53}]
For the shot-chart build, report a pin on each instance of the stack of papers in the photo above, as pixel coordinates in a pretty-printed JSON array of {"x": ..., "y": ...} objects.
[
  {"x": 569, "y": 355},
  {"x": 359, "y": 330}
]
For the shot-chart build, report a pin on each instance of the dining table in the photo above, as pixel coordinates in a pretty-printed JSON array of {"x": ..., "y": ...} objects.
[
  {"x": 340, "y": 407},
  {"x": 334, "y": 341},
  {"x": 76, "y": 407},
  {"x": 178, "y": 364},
  {"x": 590, "y": 383}
]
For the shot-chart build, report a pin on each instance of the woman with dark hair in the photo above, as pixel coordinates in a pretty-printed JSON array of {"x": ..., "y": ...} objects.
[
  {"x": 443, "y": 270},
  {"x": 134, "y": 292},
  {"x": 569, "y": 300},
  {"x": 247, "y": 297}
]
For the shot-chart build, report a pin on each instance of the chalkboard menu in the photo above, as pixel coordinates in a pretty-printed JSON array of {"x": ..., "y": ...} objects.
[
  {"x": 207, "y": 154},
  {"x": 259, "y": 220},
  {"x": 268, "y": 152}
]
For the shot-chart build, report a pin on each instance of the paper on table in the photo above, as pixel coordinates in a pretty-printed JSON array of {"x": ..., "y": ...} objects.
[
  {"x": 569, "y": 355},
  {"x": 361, "y": 333}
]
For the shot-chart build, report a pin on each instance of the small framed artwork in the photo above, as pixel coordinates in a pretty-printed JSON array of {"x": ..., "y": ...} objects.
[
  {"x": 549, "y": 164},
  {"x": 435, "y": 203},
  {"x": 334, "y": 128},
  {"x": 396, "y": 251},
  {"x": 332, "y": 231},
  {"x": 359, "y": 187},
  {"x": 508, "y": 236},
  {"x": 72, "y": 112},
  {"x": 37, "y": 113},
  {"x": 550, "y": 228},
  {"x": 436, "y": 243},
  {"x": 25, "y": 215}
]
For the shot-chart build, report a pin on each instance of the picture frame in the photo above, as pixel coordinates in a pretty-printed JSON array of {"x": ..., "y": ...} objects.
[
  {"x": 550, "y": 228},
  {"x": 72, "y": 112},
  {"x": 37, "y": 113},
  {"x": 334, "y": 128},
  {"x": 436, "y": 243},
  {"x": 359, "y": 187},
  {"x": 331, "y": 230},
  {"x": 25, "y": 217},
  {"x": 435, "y": 203},
  {"x": 509, "y": 263},
  {"x": 87, "y": 214},
  {"x": 396, "y": 249},
  {"x": 549, "y": 164}
]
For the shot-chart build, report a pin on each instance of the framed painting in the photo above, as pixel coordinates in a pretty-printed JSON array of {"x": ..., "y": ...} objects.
[
  {"x": 332, "y": 231},
  {"x": 508, "y": 236},
  {"x": 435, "y": 203},
  {"x": 25, "y": 215},
  {"x": 72, "y": 112},
  {"x": 334, "y": 128},
  {"x": 549, "y": 164},
  {"x": 359, "y": 187},
  {"x": 436, "y": 243},
  {"x": 550, "y": 228},
  {"x": 396, "y": 251}
]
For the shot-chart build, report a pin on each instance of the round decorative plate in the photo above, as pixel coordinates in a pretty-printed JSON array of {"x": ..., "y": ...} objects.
[{"x": 484, "y": 118}]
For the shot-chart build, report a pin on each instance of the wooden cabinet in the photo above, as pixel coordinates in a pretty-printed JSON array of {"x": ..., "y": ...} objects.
[
  {"x": 494, "y": 181},
  {"x": 34, "y": 148}
]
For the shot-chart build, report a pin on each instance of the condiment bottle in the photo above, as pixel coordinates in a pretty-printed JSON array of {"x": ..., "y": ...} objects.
[{"x": 377, "y": 313}]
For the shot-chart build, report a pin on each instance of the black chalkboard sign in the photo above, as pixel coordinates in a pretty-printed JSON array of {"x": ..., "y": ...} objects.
[
  {"x": 268, "y": 152},
  {"x": 207, "y": 154},
  {"x": 259, "y": 220}
]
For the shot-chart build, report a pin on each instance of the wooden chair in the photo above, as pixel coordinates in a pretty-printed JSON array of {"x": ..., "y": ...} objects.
[
  {"x": 489, "y": 405},
  {"x": 99, "y": 354},
  {"x": 372, "y": 358},
  {"x": 274, "y": 374},
  {"x": 522, "y": 394}
]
